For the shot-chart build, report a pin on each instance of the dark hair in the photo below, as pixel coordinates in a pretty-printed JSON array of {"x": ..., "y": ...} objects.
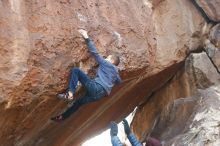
[{"x": 116, "y": 59}]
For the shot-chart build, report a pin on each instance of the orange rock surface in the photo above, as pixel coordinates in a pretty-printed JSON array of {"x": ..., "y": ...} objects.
[{"x": 39, "y": 44}]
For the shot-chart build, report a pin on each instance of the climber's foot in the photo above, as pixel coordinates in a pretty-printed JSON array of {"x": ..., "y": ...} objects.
[
  {"x": 65, "y": 96},
  {"x": 58, "y": 118}
]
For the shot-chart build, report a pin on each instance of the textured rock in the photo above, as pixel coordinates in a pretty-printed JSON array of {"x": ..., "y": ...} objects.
[
  {"x": 214, "y": 54},
  {"x": 215, "y": 35},
  {"x": 202, "y": 127},
  {"x": 203, "y": 70},
  {"x": 39, "y": 43},
  {"x": 149, "y": 112},
  {"x": 184, "y": 107},
  {"x": 167, "y": 34},
  {"x": 211, "y": 8},
  {"x": 212, "y": 46}
]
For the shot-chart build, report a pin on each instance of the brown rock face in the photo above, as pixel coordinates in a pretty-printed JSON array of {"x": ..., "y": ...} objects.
[
  {"x": 39, "y": 44},
  {"x": 204, "y": 121},
  {"x": 215, "y": 35},
  {"x": 212, "y": 46},
  {"x": 187, "y": 110},
  {"x": 211, "y": 8}
]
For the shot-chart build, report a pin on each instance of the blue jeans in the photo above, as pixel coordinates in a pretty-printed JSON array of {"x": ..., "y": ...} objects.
[
  {"x": 94, "y": 91},
  {"x": 77, "y": 75},
  {"x": 131, "y": 137}
]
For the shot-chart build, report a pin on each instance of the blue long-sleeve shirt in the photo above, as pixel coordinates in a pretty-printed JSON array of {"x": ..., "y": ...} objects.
[
  {"x": 107, "y": 74},
  {"x": 116, "y": 141}
]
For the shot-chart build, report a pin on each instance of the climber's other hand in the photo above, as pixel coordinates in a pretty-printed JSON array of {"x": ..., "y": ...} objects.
[{"x": 83, "y": 33}]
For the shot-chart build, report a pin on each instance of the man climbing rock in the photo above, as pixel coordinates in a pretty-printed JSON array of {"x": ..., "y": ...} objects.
[
  {"x": 131, "y": 137},
  {"x": 107, "y": 76}
]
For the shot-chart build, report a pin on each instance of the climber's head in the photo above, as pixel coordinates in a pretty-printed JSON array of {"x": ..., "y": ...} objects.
[{"x": 114, "y": 59}]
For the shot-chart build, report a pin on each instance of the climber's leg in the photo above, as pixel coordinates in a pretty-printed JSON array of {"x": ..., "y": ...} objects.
[
  {"x": 94, "y": 92},
  {"x": 77, "y": 75},
  {"x": 113, "y": 132}
]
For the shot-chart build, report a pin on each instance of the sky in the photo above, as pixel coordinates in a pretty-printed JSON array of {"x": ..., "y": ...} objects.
[{"x": 104, "y": 139}]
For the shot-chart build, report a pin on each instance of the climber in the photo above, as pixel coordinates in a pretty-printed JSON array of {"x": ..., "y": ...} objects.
[
  {"x": 107, "y": 76},
  {"x": 131, "y": 137}
]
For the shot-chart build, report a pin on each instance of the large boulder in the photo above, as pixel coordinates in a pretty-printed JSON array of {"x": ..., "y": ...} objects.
[
  {"x": 214, "y": 35},
  {"x": 39, "y": 44},
  {"x": 211, "y": 8},
  {"x": 186, "y": 110},
  {"x": 202, "y": 125},
  {"x": 212, "y": 46}
]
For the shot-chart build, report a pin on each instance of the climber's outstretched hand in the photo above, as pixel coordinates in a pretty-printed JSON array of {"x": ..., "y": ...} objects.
[
  {"x": 126, "y": 127},
  {"x": 114, "y": 129},
  {"x": 83, "y": 33}
]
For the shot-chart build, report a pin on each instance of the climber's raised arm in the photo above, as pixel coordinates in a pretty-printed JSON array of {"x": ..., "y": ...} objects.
[
  {"x": 131, "y": 137},
  {"x": 91, "y": 47},
  {"x": 118, "y": 80}
]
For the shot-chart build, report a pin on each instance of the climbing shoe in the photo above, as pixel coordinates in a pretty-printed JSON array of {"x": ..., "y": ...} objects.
[
  {"x": 57, "y": 118},
  {"x": 64, "y": 96}
]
